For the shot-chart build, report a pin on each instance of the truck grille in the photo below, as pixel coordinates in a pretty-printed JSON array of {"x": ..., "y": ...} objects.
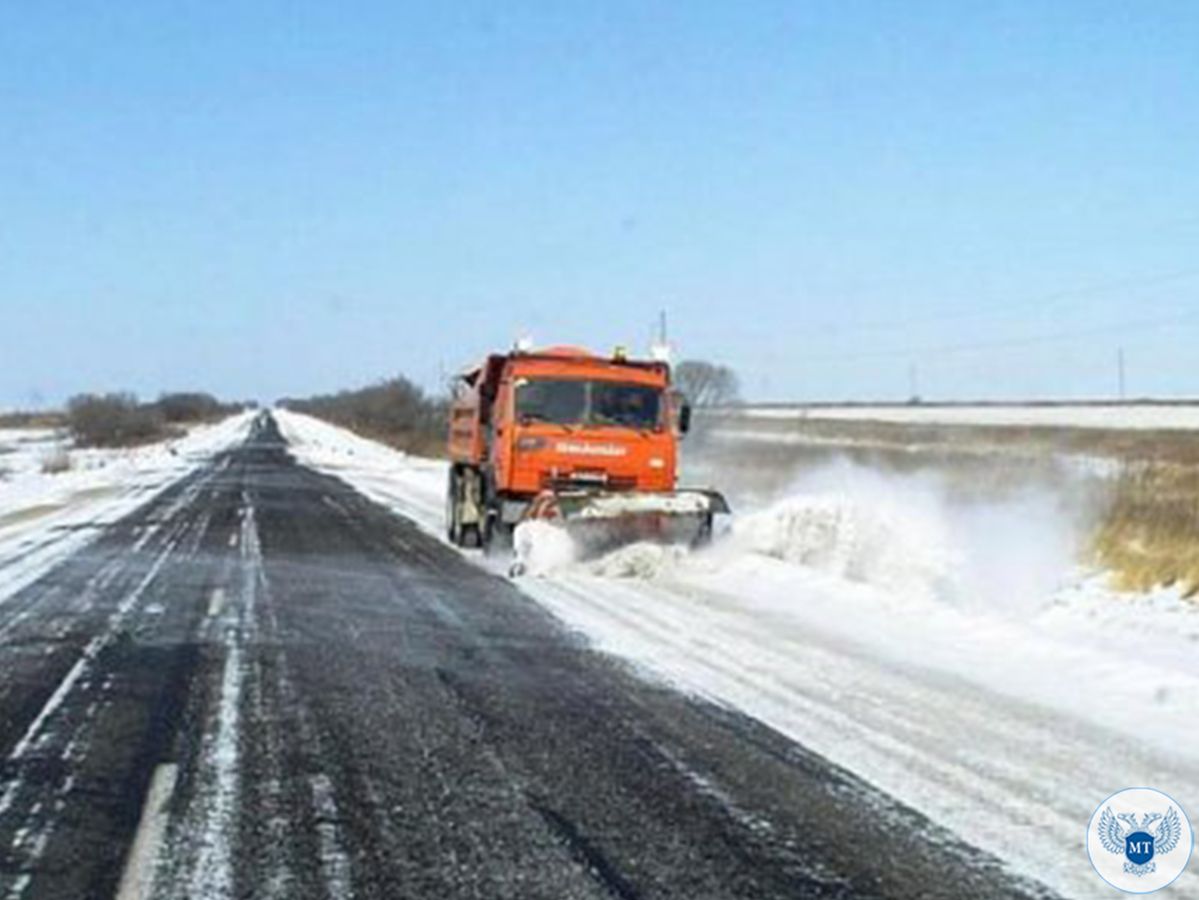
[{"x": 588, "y": 479}]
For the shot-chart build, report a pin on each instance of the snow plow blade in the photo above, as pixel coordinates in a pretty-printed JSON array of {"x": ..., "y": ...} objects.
[{"x": 601, "y": 521}]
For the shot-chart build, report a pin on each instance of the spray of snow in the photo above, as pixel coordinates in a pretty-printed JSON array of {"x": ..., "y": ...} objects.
[
  {"x": 908, "y": 535},
  {"x": 879, "y": 544},
  {"x": 913, "y": 536},
  {"x": 543, "y": 548}
]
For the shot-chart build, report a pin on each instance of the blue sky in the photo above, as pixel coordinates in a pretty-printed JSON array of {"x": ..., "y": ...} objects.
[{"x": 272, "y": 199}]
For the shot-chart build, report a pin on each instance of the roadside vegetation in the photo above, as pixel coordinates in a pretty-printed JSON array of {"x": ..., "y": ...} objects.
[
  {"x": 707, "y": 383},
  {"x": 1149, "y": 535},
  {"x": 46, "y": 418},
  {"x": 395, "y": 412},
  {"x": 121, "y": 420}
]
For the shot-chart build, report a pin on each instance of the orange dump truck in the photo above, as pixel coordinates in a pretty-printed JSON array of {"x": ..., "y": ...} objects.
[{"x": 567, "y": 436}]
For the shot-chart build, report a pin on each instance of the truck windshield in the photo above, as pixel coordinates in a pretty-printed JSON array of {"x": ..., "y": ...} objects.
[
  {"x": 631, "y": 405},
  {"x": 560, "y": 402},
  {"x": 568, "y": 402}
]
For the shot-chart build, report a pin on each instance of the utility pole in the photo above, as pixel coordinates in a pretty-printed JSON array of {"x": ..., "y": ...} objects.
[
  {"x": 662, "y": 328},
  {"x": 1120, "y": 371}
]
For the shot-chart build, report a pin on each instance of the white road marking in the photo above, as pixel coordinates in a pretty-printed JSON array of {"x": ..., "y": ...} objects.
[
  {"x": 335, "y": 863},
  {"x": 137, "y": 881},
  {"x": 216, "y": 602}
]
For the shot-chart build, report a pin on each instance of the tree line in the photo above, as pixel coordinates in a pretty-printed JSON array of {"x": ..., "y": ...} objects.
[
  {"x": 395, "y": 411},
  {"x": 119, "y": 419}
]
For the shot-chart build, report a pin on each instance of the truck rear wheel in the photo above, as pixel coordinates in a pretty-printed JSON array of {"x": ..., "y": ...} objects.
[
  {"x": 453, "y": 528},
  {"x": 471, "y": 536},
  {"x": 459, "y": 533}
]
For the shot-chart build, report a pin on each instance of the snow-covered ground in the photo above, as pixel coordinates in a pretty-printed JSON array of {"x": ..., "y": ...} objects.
[
  {"x": 1113, "y": 416},
  {"x": 45, "y": 515},
  {"x": 951, "y": 654},
  {"x": 411, "y": 485}
]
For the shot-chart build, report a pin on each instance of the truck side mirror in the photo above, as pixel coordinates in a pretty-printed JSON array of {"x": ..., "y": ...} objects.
[{"x": 684, "y": 417}]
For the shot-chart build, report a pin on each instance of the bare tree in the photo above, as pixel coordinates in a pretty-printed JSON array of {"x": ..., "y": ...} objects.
[{"x": 707, "y": 384}]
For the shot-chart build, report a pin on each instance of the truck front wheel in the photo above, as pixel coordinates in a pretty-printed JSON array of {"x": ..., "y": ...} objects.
[
  {"x": 471, "y": 536},
  {"x": 497, "y": 535}
]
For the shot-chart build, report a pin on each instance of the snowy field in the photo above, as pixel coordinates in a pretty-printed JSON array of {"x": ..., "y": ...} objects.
[
  {"x": 53, "y": 496},
  {"x": 1106, "y": 416},
  {"x": 951, "y": 654}
]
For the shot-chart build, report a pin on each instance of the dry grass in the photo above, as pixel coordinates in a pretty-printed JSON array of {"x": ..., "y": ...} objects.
[
  {"x": 39, "y": 419},
  {"x": 1149, "y": 535}
]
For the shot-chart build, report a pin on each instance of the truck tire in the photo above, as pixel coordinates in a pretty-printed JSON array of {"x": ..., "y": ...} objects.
[
  {"x": 453, "y": 529},
  {"x": 497, "y": 536},
  {"x": 471, "y": 537}
]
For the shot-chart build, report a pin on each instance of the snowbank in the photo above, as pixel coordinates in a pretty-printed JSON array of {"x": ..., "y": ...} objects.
[{"x": 411, "y": 485}]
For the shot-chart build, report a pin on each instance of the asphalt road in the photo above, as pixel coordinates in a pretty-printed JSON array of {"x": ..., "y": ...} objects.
[{"x": 264, "y": 685}]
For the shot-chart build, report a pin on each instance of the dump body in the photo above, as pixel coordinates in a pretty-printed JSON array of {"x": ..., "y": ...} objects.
[{"x": 527, "y": 428}]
